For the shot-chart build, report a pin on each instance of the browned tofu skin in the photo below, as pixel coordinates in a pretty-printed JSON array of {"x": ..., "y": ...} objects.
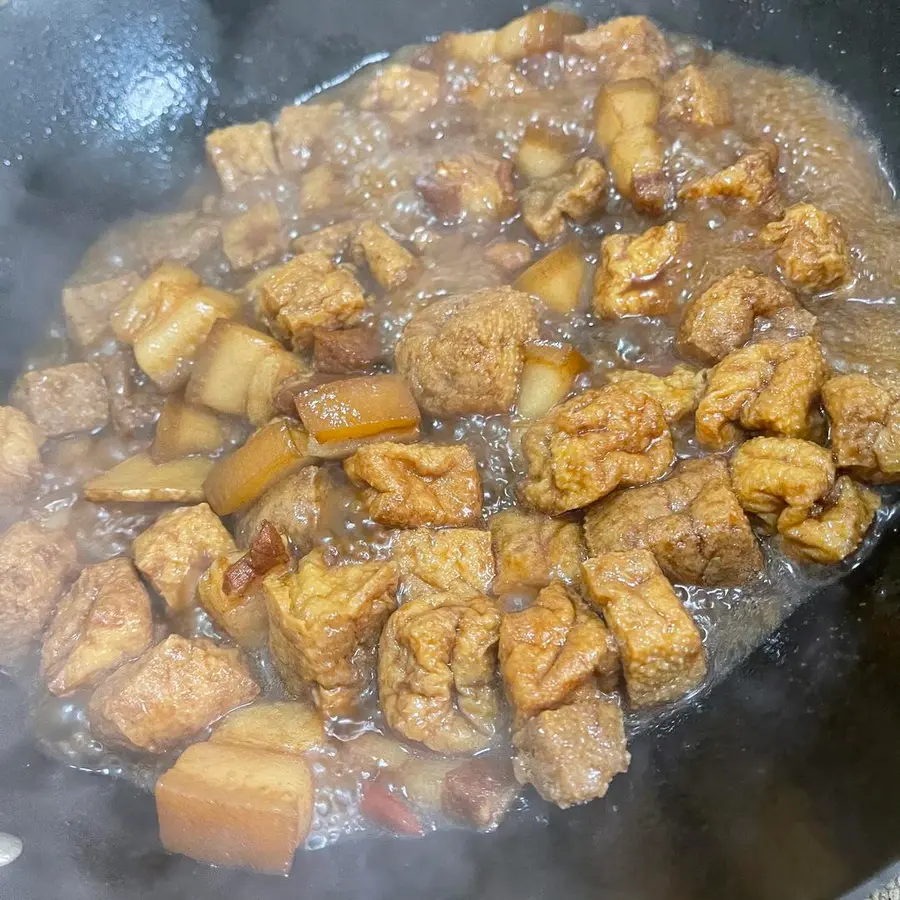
[
  {"x": 628, "y": 47},
  {"x": 283, "y": 726},
  {"x": 813, "y": 254},
  {"x": 103, "y": 621},
  {"x": 678, "y": 392},
  {"x": 406, "y": 486},
  {"x": 865, "y": 427},
  {"x": 254, "y": 236},
  {"x": 20, "y": 455},
  {"x": 464, "y": 353},
  {"x": 35, "y": 567},
  {"x": 64, "y": 399},
  {"x": 661, "y": 648},
  {"x": 630, "y": 278},
  {"x": 532, "y": 550},
  {"x": 769, "y": 387},
  {"x": 88, "y": 306},
  {"x": 691, "y": 522},
  {"x": 300, "y": 130},
  {"x": 236, "y": 806},
  {"x": 470, "y": 187},
  {"x": 590, "y": 445},
  {"x": 436, "y": 666},
  {"x": 571, "y": 754},
  {"x": 750, "y": 184},
  {"x": 324, "y": 625},
  {"x": 553, "y": 649},
  {"x": 346, "y": 351},
  {"x": 177, "y": 548},
  {"x": 691, "y": 97},
  {"x": 576, "y": 195},
  {"x": 310, "y": 292},
  {"x": 390, "y": 263},
  {"x": 721, "y": 318},
  {"x": 479, "y": 792},
  {"x": 242, "y": 153},
  {"x": 169, "y": 694},
  {"x": 401, "y": 91},
  {"x": 445, "y": 558}
]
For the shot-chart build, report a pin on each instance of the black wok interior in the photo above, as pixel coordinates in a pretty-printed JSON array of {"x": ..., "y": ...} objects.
[{"x": 782, "y": 784}]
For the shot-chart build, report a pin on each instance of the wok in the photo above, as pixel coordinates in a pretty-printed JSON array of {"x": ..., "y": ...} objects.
[{"x": 782, "y": 783}]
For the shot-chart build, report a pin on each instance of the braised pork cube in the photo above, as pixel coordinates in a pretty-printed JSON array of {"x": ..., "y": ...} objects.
[
  {"x": 241, "y": 153},
  {"x": 300, "y": 131},
  {"x": 770, "y": 386},
  {"x": 310, "y": 292},
  {"x": 236, "y": 806},
  {"x": 444, "y": 558},
  {"x": 35, "y": 567},
  {"x": 239, "y": 612},
  {"x": 750, "y": 184},
  {"x": 401, "y": 91},
  {"x": 180, "y": 237},
  {"x": 319, "y": 189},
  {"x": 20, "y": 455},
  {"x": 834, "y": 528},
  {"x": 254, "y": 236},
  {"x": 721, "y": 319},
  {"x": 552, "y": 650},
  {"x": 470, "y": 187},
  {"x": 509, "y": 256},
  {"x": 678, "y": 392},
  {"x": 626, "y": 47},
  {"x": 390, "y": 263},
  {"x": 406, "y": 486},
  {"x": 103, "y": 621},
  {"x": 543, "y": 152},
  {"x": 630, "y": 280},
  {"x": 436, "y": 666},
  {"x": 346, "y": 351},
  {"x": 285, "y": 726},
  {"x": 293, "y": 506},
  {"x": 662, "y": 652},
  {"x": 813, "y": 253},
  {"x": 162, "y": 289},
  {"x": 135, "y": 402},
  {"x": 497, "y": 81},
  {"x": 464, "y": 353},
  {"x": 333, "y": 240},
  {"x": 169, "y": 694},
  {"x": 88, "y": 306},
  {"x": 177, "y": 548},
  {"x": 571, "y": 754},
  {"x": 865, "y": 426},
  {"x": 324, "y": 625},
  {"x": 577, "y": 195},
  {"x": 586, "y": 447},
  {"x": 63, "y": 399},
  {"x": 692, "y": 97},
  {"x": 691, "y": 522},
  {"x": 479, "y": 792},
  {"x": 532, "y": 550}
]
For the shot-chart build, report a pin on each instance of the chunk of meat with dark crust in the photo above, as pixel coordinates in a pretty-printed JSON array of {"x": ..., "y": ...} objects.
[
  {"x": 169, "y": 694},
  {"x": 436, "y": 665},
  {"x": 813, "y": 254},
  {"x": 63, "y": 399},
  {"x": 242, "y": 153},
  {"x": 35, "y": 567},
  {"x": 300, "y": 130},
  {"x": 750, "y": 184},
  {"x": 575, "y": 195},
  {"x": 662, "y": 652},
  {"x": 629, "y": 280},
  {"x": 479, "y": 792},
  {"x": 134, "y": 401},
  {"x": 721, "y": 318},
  {"x": 390, "y": 263},
  {"x": 691, "y": 522},
  {"x": 324, "y": 626},
  {"x": 678, "y": 392},
  {"x": 471, "y": 186},
  {"x": 88, "y": 306},
  {"x": 20, "y": 455},
  {"x": 625, "y": 47},
  {"x": 464, "y": 353},
  {"x": 571, "y": 754},
  {"x": 591, "y": 444},
  {"x": 532, "y": 550},
  {"x": 770, "y": 387},
  {"x": 552, "y": 649},
  {"x": 691, "y": 97},
  {"x": 103, "y": 621},
  {"x": 509, "y": 256},
  {"x": 406, "y": 486},
  {"x": 402, "y": 91},
  {"x": 442, "y": 559},
  {"x": 865, "y": 426},
  {"x": 254, "y": 236},
  {"x": 347, "y": 350}
]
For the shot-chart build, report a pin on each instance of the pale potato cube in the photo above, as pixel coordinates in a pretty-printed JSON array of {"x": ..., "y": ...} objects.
[
  {"x": 548, "y": 376},
  {"x": 558, "y": 278}
]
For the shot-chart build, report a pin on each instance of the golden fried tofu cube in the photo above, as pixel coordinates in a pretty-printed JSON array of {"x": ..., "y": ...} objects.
[
  {"x": 284, "y": 726},
  {"x": 470, "y": 186},
  {"x": 402, "y": 91},
  {"x": 443, "y": 558},
  {"x": 241, "y": 153},
  {"x": 390, "y": 263},
  {"x": 89, "y": 306},
  {"x": 678, "y": 392},
  {"x": 254, "y": 236},
  {"x": 299, "y": 131},
  {"x": 64, "y": 399},
  {"x": 235, "y": 806},
  {"x": 20, "y": 454}
]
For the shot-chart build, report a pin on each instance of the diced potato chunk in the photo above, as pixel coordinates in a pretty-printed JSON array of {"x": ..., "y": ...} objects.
[
  {"x": 270, "y": 454},
  {"x": 372, "y": 751},
  {"x": 557, "y": 279},
  {"x": 286, "y": 727},
  {"x": 183, "y": 430},
  {"x": 547, "y": 377},
  {"x": 543, "y": 153},
  {"x": 235, "y": 806},
  {"x": 242, "y": 616},
  {"x": 140, "y": 480}
]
